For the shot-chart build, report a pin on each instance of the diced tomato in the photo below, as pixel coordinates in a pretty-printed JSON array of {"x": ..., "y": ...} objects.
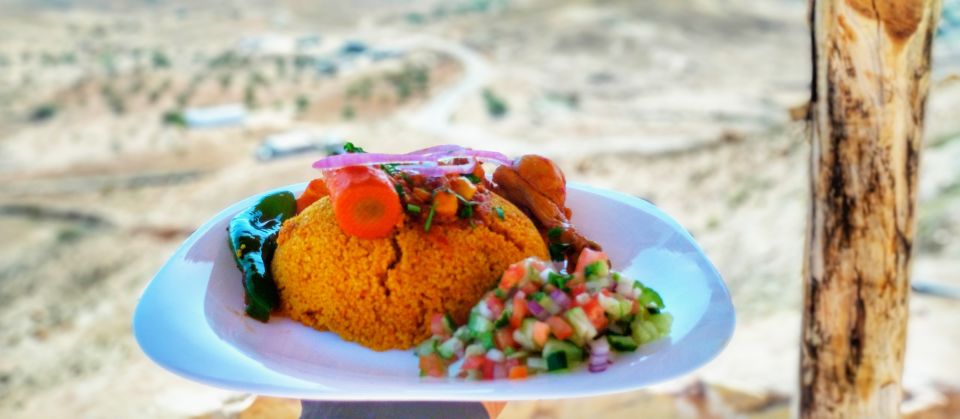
[
  {"x": 518, "y": 372},
  {"x": 474, "y": 362},
  {"x": 495, "y": 306},
  {"x": 512, "y": 362},
  {"x": 512, "y": 276},
  {"x": 504, "y": 338},
  {"x": 437, "y": 327},
  {"x": 529, "y": 287},
  {"x": 559, "y": 327},
  {"x": 537, "y": 265},
  {"x": 577, "y": 287},
  {"x": 432, "y": 366},
  {"x": 487, "y": 368},
  {"x": 519, "y": 311},
  {"x": 588, "y": 256},
  {"x": 606, "y": 292},
  {"x": 635, "y": 308},
  {"x": 595, "y": 313},
  {"x": 541, "y": 331}
]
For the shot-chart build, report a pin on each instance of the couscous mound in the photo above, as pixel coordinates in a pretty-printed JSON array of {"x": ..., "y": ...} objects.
[{"x": 382, "y": 292}]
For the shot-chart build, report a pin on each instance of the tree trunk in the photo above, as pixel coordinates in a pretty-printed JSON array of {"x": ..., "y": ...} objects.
[{"x": 871, "y": 63}]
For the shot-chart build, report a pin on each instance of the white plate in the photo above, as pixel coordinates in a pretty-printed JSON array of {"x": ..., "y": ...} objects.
[{"x": 190, "y": 320}]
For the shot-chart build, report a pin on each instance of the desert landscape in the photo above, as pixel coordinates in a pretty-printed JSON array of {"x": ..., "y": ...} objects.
[{"x": 125, "y": 125}]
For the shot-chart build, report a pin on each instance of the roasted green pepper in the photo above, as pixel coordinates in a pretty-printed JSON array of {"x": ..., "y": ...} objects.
[{"x": 253, "y": 239}]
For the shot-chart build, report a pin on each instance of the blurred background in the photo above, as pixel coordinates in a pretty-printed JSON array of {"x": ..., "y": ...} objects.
[{"x": 125, "y": 125}]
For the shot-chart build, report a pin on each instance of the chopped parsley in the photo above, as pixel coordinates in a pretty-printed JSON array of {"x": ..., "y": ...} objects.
[
  {"x": 350, "y": 148},
  {"x": 433, "y": 209},
  {"x": 467, "y": 210},
  {"x": 399, "y": 189},
  {"x": 557, "y": 251},
  {"x": 499, "y": 212},
  {"x": 473, "y": 178},
  {"x": 557, "y": 248},
  {"x": 558, "y": 280},
  {"x": 413, "y": 208}
]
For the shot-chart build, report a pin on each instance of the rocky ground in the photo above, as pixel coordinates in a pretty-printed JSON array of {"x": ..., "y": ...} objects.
[{"x": 684, "y": 103}]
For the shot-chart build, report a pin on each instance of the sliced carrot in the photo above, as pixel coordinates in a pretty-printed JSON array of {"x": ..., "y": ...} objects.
[
  {"x": 365, "y": 203},
  {"x": 316, "y": 189},
  {"x": 541, "y": 331},
  {"x": 518, "y": 372}
]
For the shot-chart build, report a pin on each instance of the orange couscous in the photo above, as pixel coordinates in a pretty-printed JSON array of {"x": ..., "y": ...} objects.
[{"x": 381, "y": 293}]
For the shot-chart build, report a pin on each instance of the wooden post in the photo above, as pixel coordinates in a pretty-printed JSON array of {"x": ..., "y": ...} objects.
[{"x": 871, "y": 63}]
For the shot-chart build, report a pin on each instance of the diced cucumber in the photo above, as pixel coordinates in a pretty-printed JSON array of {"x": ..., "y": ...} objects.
[
  {"x": 596, "y": 269},
  {"x": 571, "y": 354},
  {"x": 650, "y": 298},
  {"x": 537, "y": 363},
  {"x": 448, "y": 323},
  {"x": 474, "y": 349},
  {"x": 556, "y": 361},
  {"x": 612, "y": 306},
  {"x": 645, "y": 331},
  {"x": 463, "y": 333},
  {"x": 479, "y": 324},
  {"x": 622, "y": 343},
  {"x": 599, "y": 283},
  {"x": 427, "y": 347},
  {"x": 503, "y": 319},
  {"x": 662, "y": 321},
  {"x": 526, "y": 329},
  {"x": 547, "y": 303},
  {"x": 486, "y": 339},
  {"x": 582, "y": 328},
  {"x": 449, "y": 348}
]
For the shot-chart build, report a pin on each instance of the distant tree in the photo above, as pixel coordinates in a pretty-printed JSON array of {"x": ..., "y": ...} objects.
[
  {"x": 347, "y": 112},
  {"x": 160, "y": 60},
  {"x": 302, "y": 103},
  {"x": 43, "y": 112},
  {"x": 250, "y": 96},
  {"x": 225, "y": 80},
  {"x": 496, "y": 106},
  {"x": 175, "y": 118}
]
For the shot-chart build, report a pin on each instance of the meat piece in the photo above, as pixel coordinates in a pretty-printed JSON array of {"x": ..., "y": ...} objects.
[
  {"x": 545, "y": 206},
  {"x": 544, "y": 176}
]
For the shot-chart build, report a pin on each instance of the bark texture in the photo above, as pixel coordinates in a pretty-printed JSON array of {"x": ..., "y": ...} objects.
[{"x": 871, "y": 74}]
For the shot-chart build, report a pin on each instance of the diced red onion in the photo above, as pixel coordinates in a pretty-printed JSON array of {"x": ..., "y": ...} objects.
[
  {"x": 537, "y": 310},
  {"x": 600, "y": 346},
  {"x": 598, "y": 367},
  {"x": 560, "y": 298},
  {"x": 499, "y": 371}
]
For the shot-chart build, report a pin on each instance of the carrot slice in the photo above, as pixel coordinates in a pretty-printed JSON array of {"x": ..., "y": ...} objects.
[
  {"x": 316, "y": 189},
  {"x": 365, "y": 203}
]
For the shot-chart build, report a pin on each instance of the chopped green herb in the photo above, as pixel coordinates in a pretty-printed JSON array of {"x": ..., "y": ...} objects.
[
  {"x": 350, "y": 148},
  {"x": 467, "y": 210},
  {"x": 399, "y": 189},
  {"x": 554, "y": 233},
  {"x": 413, "y": 208},
  {"x": 499, "y": 212},
  {"x": 499, "y": 293},
  {"x": 433, "y": 209},
  {"x": 557, "y": 251},
  {"x": 473, "y": 178},
  {"x": 390, "y": 168},
  {"x": 558, "y": 280}
]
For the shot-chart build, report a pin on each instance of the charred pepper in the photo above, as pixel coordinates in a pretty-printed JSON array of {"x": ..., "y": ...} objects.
[{"x": 253, "y": 239}]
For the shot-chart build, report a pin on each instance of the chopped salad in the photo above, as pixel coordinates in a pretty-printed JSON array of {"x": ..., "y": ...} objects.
[{"x": 539, "y": 319}]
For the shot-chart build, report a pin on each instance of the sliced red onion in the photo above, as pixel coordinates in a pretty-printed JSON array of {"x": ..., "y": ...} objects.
[
  {"x": 426, "y": 155},
  {"x": 560, "y": 298},
  {"x": 433, "y": 170},
  {"x": 537, "y": 310}
]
